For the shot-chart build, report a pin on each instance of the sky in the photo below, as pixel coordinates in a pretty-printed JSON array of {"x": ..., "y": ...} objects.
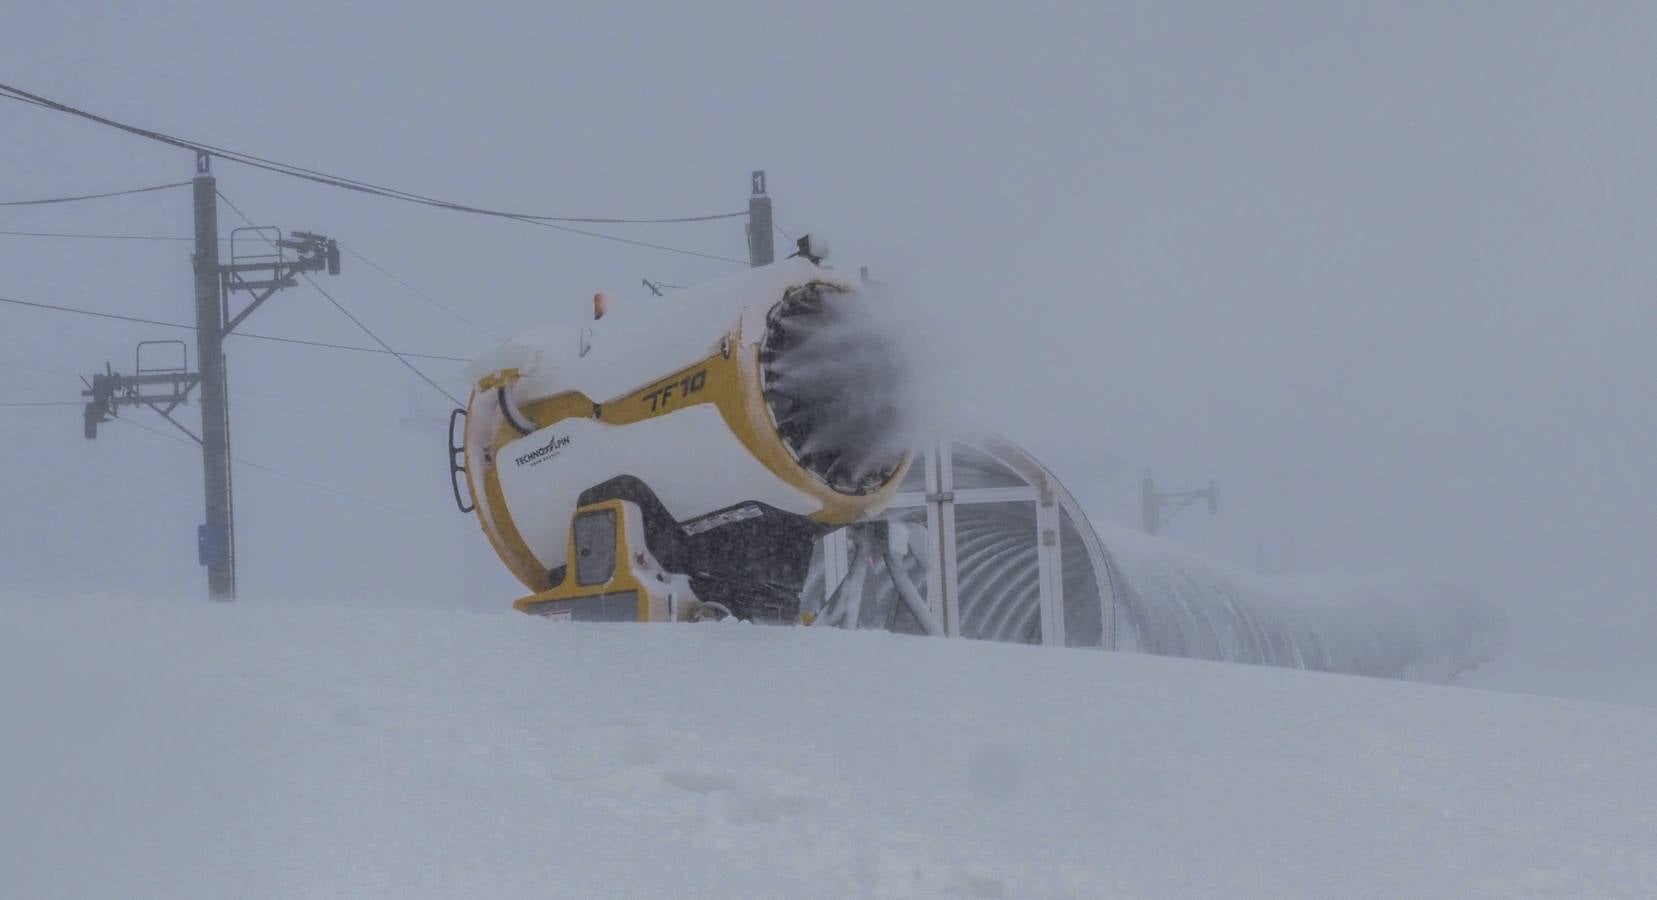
[{"x": 1381, "y": 271}]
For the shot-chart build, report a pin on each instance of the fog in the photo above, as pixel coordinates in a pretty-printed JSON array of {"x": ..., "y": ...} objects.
[{"x": 1382, "y": 273}]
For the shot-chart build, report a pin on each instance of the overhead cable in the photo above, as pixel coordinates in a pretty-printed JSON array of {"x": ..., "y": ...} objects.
[
  {"x": 366, "y": 330},
  {"x": 277, "y": 472},
  {"x": 100, "y": 237},
  {"x": 240, "y": 334},
  {"x": 341, "y": 307},
  {"x": 50, "y": 200},
  {"x": 419, "y": 293},
  {"x": 339, "y": 181}
]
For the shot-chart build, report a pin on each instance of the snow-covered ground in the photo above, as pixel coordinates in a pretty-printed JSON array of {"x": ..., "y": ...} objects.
[{"x": 185, "y": 750}]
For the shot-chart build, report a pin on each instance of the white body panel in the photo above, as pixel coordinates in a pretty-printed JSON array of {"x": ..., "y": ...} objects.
[{"x": 543, "y": 474}]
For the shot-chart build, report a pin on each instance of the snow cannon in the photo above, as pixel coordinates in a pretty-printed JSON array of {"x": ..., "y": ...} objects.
[{"x": 675, "y": 458}]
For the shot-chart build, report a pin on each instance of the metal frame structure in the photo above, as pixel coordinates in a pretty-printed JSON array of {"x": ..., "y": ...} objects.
[{"x": 959, "y": 567}]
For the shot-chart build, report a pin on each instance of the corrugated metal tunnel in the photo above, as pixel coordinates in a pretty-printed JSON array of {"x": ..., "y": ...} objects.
[{"x": 1005, "y": 553}]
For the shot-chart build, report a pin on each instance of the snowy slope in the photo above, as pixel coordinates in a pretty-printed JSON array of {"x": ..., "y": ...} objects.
[{"x": 187, "y": 750}]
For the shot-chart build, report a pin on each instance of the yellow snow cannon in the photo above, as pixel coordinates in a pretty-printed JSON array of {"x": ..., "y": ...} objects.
[{"x": 676, "y": 457}]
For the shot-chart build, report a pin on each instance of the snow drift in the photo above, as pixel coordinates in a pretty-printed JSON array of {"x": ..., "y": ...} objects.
[{"x": 187, "y": 750}]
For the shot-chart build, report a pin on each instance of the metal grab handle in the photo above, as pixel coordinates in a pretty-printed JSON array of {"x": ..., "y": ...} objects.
[{"x": 457, "y": 463}]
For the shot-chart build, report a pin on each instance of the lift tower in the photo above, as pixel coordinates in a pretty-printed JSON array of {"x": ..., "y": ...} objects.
[
  {"x": 216, "y": 539},
  {"x": 215, "y": 284}
]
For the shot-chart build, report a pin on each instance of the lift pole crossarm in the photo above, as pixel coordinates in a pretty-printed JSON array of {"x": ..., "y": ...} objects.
[
  {"x": 267, "y": 285},
  {"x": 230, "y": 326},
  {"x": 283, "y": 275},
  {"x": 183, "y": 381},
  {"x": 303, "y": 264},
  {"x": 126, "y": 390},
  {"x": 186, "y": 379},
  {"x": 167, "y": 414}
]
